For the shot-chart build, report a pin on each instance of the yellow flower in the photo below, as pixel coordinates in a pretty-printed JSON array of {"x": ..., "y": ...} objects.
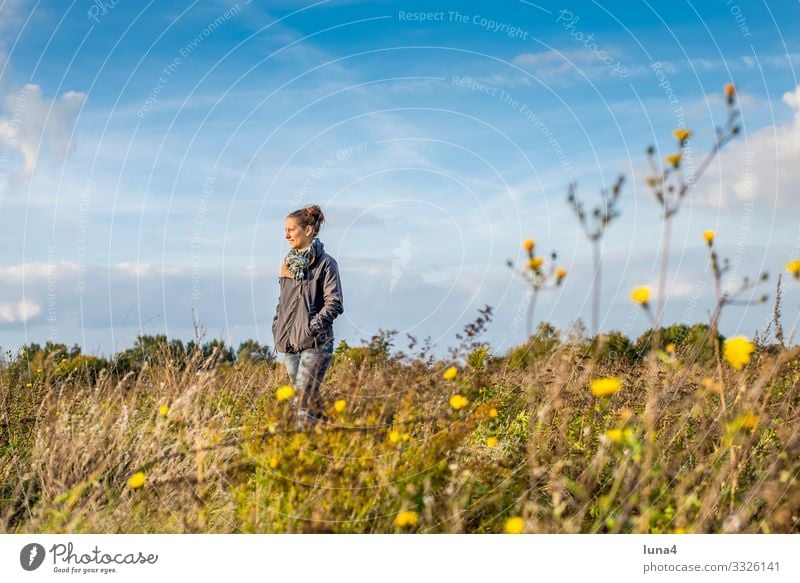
[
  {"x": 528, "y": 244},
  {"x": 136, "y": 480},
  {"x": 406, "y": 518},
  {"x": 284, "y": 392},
  {"x": 514, "y": 525},
  {"x": 163, "y": 410},
  {"x": 641, "y": 295},
  {"x": 339, "y": 405},
  {"x": 493, "y": 413},
  {"x": 394, "y": 436},
  {"x": 561, "y": 273},
  {"x": 606, "y": 386},
  {"x": 406, "y": 436},
  {"x": 709, "y": 236},
  {"x": 458, "y": 402},
  {"x": 793, "y": 267},
  {"x": 674, "y": 159},
  {"x": 492, "y": 442},
  {"x": 748, "y": 421},
  {"x": 28, "y": 385},
  {"x": 450, "y": 373},
  {"x": 679, "y": 531},
  {"x": 737, "y": 351},
  {"x": 682, "y": 134},
  {"x": 535, "y": 263},
  {"x": 615, "y": 435},
  {"x": 671, "y": 348},
  {"x": 730, "y": 89},
  {"x": 273, "y": 462}
]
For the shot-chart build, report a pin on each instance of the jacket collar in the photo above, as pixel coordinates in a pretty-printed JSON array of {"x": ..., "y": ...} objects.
[{"x": 317, "y": 250}]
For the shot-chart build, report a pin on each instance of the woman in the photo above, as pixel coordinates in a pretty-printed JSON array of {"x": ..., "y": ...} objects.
[{"x": 310, "y": 299}]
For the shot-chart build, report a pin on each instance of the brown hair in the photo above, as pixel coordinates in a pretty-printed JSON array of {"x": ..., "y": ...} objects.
[{"x": 309, "y": 216}]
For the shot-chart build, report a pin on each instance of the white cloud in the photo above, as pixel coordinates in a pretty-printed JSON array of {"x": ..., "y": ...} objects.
[
  {"x": 142, "y": 269},
  {"x": 759, "y": 166},
  {"x": 37, "y": 270},
  {"x": 19, "y": 312},
  {"x": 568, "y": 65},
  {"x": 34, "y": 125}
]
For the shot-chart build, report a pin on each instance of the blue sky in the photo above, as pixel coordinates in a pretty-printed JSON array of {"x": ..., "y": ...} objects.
[{"x": 149, "y": 153}]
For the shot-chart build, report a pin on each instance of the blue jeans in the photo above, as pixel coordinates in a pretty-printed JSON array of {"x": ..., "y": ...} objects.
[{"x": 306, "y": 370}]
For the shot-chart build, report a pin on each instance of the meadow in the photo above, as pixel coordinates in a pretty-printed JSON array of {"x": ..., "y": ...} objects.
[
  {"x": 679, "y": 431},
  {"x": 533, "y": 441}
]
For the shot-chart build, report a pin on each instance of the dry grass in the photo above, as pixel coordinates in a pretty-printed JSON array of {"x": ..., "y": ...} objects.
[{"x": 695, "y": 458}]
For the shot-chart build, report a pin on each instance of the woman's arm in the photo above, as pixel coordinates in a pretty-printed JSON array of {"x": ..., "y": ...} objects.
[{"x": 332, "y": 295}]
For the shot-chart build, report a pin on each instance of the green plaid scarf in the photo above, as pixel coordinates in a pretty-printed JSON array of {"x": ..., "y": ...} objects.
[{"x": 298, "y": 259}]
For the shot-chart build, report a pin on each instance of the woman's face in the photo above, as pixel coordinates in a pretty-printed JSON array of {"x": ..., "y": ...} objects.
[{"x": 297, "y": 236}]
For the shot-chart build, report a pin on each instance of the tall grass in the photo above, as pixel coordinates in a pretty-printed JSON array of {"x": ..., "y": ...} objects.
[{"x": 661, "y": 455}]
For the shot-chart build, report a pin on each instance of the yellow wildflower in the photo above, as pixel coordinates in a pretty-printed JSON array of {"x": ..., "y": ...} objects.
[
  {"x": 394, "y": 436},
  {"x": 136, "y": 480},
  {"x": 493, "y": 413},
  {"x": 614, "y": 435},
  {"x": 406, "y": 518},
  {"x": 492, "y": 441},
  {"x": 641, "y": 295},
  {"x": 406, "y": 436},
  {"x": 535, "y": 263},
  {"x": 674, "y": 159},
  {"x": 748, "y": 421},
  {"x": 561, "y": 273},
  {"x": 29, "y": 385},
  {"x": 273, "y": 462},
  {"x": 605, "y": 387},
  {"x": 793, "y": 267},
  {"x": 528, "y": 244},
  {"x": 284, "y": 392},
  {"x": 737, "y": 351},
  {"x": 339, "y": 405},
  {"x": 163, "y": 410},
  {"x": 709, "y": 236},
  {"x": 458, "y": 402},
  {"x": 671, "y": 348},
  {"x": 450, "y": 373},
  {"x": 730, "y": 89},
  {"x": 682, "y": 134},
  {"x": 514, "y": 525}
]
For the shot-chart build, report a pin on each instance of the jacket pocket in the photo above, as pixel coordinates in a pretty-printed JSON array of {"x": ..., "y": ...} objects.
[{"x": 301, "y": 325}]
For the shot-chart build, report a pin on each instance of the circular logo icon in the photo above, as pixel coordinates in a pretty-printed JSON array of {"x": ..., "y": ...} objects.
[{"x": 31, "y": 556}]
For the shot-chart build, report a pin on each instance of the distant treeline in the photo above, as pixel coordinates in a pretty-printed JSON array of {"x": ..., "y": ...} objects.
[{"x": 690, "y": 343}]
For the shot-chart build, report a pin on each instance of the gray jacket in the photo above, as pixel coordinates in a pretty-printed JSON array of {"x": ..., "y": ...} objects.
[{"x": 306, "y": 310}]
